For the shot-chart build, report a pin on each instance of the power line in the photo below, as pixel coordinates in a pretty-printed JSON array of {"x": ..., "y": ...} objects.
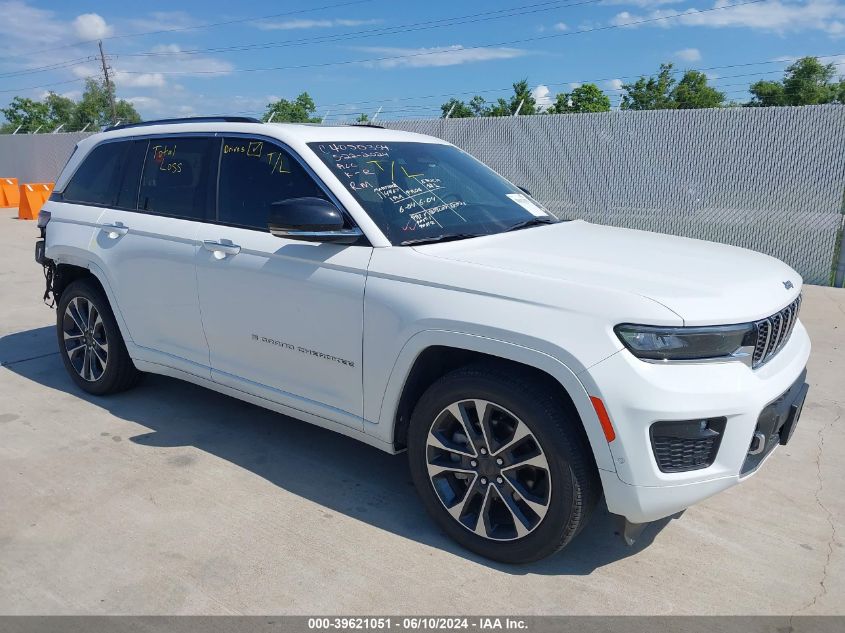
[
  {"x": 615, "y": 95},
  {"x": 48, "y": 85},
  {"x": 484, "y": 16},
  {"x": 323, "y": 39},
  {"x": 440, "y": 52},
  {"x": 193, "y": 28},
  {"x": 568, "y": 82},
  {"x": 68, "y": 63}
]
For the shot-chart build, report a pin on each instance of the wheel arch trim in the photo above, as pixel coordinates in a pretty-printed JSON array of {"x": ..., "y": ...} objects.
[
  {"x": 541, "y": 361},
  {"x": 98, "y": 273}
]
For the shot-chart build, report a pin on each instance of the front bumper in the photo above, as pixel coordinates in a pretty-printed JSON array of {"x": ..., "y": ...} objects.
[{"x": 637, "y": 394}]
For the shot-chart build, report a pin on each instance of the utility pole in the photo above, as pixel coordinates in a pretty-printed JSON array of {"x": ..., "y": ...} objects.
[{"x": 108, "y": 82}]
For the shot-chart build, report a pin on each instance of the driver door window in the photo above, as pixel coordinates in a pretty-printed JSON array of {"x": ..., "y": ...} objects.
[
  {"x": 254, "y": 174},
  {"x": 283, "y": 318}
]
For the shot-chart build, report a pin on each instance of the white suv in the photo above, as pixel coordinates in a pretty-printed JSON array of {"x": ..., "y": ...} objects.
[{"x": 390, "y": 287}]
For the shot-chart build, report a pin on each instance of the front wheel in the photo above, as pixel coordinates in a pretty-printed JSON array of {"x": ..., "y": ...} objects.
[
  {"x": 501, "y": 463},
  {"x": 90, "y": 343}
]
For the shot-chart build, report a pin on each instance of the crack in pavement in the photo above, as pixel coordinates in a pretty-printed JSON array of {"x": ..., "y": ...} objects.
[
  {"x": 9, "y": 363},
  {"x": 829, "y": 516}
]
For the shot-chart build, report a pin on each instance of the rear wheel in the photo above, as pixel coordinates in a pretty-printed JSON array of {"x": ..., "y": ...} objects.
[
  {"x": 501, "y": 464},
  {"x": 90, "y": 343}
]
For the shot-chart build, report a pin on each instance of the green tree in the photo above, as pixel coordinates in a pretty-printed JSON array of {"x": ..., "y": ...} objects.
[
  {"x": 522, "y": 95},
  {"x": 300, "y": 110},
  {"x": 456, "y": 109},
  {"x": 500, "y": 108},
  {"x": 94, "y": 108},
  {"x": 27, "y": 114},
  {"x": 477, "y": 106},
  {"x": 693, "y": 91},
  {"x": 651, "y": 93},
  {"x": 805, "y": 82},
  {"x": 61, "y": 110},
  {"x": 362, "y": 118},
  {"x": 585, "y": 98}
]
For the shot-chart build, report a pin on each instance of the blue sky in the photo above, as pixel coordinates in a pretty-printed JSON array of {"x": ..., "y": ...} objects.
[{"x": 407, "y": 57}]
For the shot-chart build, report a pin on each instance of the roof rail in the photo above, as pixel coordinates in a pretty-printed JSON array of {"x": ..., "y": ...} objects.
[
  {"x": 194, "y": 119},
  {"x": 366, "y": 124}
]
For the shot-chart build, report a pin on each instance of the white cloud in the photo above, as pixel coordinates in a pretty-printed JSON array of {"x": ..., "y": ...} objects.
[
  {"x": 152, "y": 70},
  {"x": 778, "y": 16},
  {"x": 575, "y": 84},
  {"x": 163, "y": 20},
  {"x": 91, "y": 26},
  {"x": 288, "y": 25},
  {"x": 17, "y": 27},
  {"x": 614, "y": 84},
  {"x": 688, "y": 54},
  {"x": 123, "y": 79},
  {"x": 437, "y": 56},
  {"x": 144, "y": 102},
  {"x": 542, "y": 95},
  {"x": 560, "y": 26}
]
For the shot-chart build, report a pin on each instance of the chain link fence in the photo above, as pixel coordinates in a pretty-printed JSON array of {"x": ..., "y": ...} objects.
[{"x": 768, "y": 179}]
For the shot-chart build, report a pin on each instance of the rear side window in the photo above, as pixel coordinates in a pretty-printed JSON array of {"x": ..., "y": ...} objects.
[
  {"x": 130, "y": 177},
  {"x": 178, "y": 177},
  {"x": 255, "y": 173},
  {"x": 97, "y": 179}
]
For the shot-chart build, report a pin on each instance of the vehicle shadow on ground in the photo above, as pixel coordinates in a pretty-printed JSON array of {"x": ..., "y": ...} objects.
[{"x": 334, "y": 471}]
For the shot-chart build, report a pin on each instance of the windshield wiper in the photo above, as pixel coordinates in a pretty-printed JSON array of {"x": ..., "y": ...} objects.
[
  {"x": 439, "y": 238},
  {"x": 530, "y": 222}
]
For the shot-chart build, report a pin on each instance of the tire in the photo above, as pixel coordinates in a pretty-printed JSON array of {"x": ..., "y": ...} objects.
[
  {"x": 556, "y": 486},
  {"x": 90, "y": 343}
]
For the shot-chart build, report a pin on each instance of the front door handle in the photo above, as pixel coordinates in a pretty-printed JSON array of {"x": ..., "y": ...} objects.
[
  {"x": 114, "y": 231},
  {"x": 220, "y": 250}
]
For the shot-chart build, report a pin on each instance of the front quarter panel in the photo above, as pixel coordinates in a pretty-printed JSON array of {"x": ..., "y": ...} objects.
[{"x": 414, "y": 301}]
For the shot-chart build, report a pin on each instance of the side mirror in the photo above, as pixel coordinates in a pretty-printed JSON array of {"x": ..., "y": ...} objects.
[{"x": 310, "y": 220}]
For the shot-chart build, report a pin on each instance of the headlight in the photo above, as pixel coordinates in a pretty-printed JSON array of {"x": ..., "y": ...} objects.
[{"x": 687, "y": 343}]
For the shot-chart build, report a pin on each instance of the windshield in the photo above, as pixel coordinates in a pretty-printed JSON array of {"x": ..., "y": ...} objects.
[{"x": 425, "y": 192}]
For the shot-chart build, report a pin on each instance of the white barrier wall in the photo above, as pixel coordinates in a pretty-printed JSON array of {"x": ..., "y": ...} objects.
[{"x": 36, "y": 157}]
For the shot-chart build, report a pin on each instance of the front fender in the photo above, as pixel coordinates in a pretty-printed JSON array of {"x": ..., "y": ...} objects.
[{"x": 385, "y": 428}]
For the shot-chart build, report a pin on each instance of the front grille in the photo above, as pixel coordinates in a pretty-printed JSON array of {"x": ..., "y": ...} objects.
[
  {"x": 774, "y": 332},
  {"x": 686, "y": 445}
]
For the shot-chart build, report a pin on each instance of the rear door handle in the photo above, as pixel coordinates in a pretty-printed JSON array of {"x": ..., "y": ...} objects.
[
  {"x": 114, "y": 231},
  {"x": 220, "y": 250}
]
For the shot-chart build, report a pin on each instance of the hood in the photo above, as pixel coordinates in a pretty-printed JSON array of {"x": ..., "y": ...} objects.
[{"x": 703, "y": 282}]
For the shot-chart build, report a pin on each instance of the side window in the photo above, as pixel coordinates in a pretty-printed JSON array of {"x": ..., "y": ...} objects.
[
  {"x": 178, "y": 177},
  {"x": 255, "y": 173},
  {"x": 97, "y": 179},
  {"x": 130, "y": 178}
]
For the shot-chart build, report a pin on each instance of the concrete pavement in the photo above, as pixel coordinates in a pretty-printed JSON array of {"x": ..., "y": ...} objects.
[{"x": 171, "y": 499}]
